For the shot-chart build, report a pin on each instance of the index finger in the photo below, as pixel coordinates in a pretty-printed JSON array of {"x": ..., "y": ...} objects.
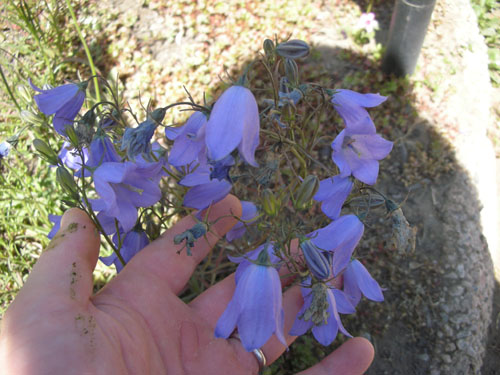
[{"x": 161, "y": 261}]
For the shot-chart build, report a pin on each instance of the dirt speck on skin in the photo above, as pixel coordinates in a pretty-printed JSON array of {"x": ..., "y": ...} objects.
[
  {"x": 52, "y": 244},
  {"x": 86, "y": 325},
  {"x": 73, "y": 227},
  {"x": 74, "y": 279}
]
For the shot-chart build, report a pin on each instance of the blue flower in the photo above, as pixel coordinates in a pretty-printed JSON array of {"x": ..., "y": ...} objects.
[
  {"x": 4, "y": 149},
  {"x": 256, "y": 307},
  {"x": 64, "y": 101},
  {"x": 72, "y": 159},
  {"x": 333, "y": 192},
  {"x": 56, "y": 220},
  {"x": 102, "y": 151},
  {"x": 322, "y": 305},
  {"x": 358, "y": 154},
  {"x": 123, "y": 187},
  {"x": 340, "y": 237},
  {"x": 202, "y": 196},
  {"x": 358, "y": 280},
  {"x": 248, "y": 214},
  {"x": 234, "y": 123},
  {"x": 189, "y": 140},
  {"x": 316, "y": 260},
  {"x": 137, "y": 141},
  {"x": 133, "y": 242},
  {"x": 108, "y": 120},
  {"x": 210, "y": 183},
  {"x": 351, "y": 107}
]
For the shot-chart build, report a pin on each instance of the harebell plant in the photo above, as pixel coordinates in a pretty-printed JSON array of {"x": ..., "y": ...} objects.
[{"x": 134, "y": 175}]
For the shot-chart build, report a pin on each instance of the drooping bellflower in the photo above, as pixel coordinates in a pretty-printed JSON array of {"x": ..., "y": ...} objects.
[
  {"x": 64, "y": 101},
  {"x": 123, "y": 187},
  {"x": 357, "y": 152},
  {"x": 72, "y": 159},
  {"x": 102, "y": 151},
  {"x": 137, "y": 141},
  {"x": 351, "y": 107},
  {"x": 189, "y": 140},
  {"x": 234, "y": 123},
  {"x": 340, "y": 237},
  {"x": 210, "y": 183},
  {"x": 132, "y": 242},
  {"x": 357, "y": 281},
  {"x": 320, "y": 312},
  {"x": 248, "y": 213},
  {"x": 332, "y": 193},
  {"x": 256, "y": 307}
]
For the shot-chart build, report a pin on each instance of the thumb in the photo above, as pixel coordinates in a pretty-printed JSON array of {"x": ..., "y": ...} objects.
[{"x": 64, "y": 269}]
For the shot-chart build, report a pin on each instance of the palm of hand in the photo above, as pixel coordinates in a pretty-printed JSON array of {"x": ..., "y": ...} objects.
[{"x": 136, "y": 324}]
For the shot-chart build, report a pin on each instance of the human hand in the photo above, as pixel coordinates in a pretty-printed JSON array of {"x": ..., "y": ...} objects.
[{"x": 136, "y": 324}]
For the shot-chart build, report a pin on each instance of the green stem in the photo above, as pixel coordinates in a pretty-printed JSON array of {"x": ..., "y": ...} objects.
[
  {"x": 9, "y": 90},
  {"x": 29, "y": 24},
  {"x": 369, "y": 9},
  {"x": 87, "y": 51},
  {"x": 88, "y": 208}
]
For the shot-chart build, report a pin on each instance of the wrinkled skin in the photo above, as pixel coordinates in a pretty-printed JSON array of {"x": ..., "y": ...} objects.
[{"x": 137, "y": 324}]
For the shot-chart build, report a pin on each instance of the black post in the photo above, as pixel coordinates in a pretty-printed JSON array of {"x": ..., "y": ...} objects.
[{"x": 409, "y": 22}]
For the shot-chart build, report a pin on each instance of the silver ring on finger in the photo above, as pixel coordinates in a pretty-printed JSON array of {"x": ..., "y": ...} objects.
[{"x": 258, "y": 353}]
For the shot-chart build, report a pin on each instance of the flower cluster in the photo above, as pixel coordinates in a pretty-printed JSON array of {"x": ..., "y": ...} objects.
[
  {"x": 207, "y": 144},
  {"x": 132, "y": 187},
  {"x": 123, "y": 185},
  {"x": 327, "y": 251}
]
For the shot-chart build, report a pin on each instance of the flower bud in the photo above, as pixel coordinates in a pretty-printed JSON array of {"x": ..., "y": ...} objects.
[
  {"x": 292, "y": 71},
  {"x": 158, "y": 114},
  {"x": 316, "y": 261},
  {"x": 269, "y": 48},
  {"x": 31, "y": 118},
  {"x": 71, "y": 134},
  {"x": 293, "y": 49},
  {"x": 306, "y": 192},
  {"x": 270, "y": 204},
  {"x": 153, "y": 230},
  {"x": 46, "y": 152},
  {"x": 24, "y": 93},
  {"x": 67, "y": 181}
]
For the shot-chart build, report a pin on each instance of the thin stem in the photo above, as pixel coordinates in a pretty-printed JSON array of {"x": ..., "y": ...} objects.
[
  {"x": 9, "y": 90},
  {"x": 88, "y": 209},
  {"x": 94, "y": 218},
  {"x": 87, "y": 51},
  {"x": 286, "y": 140}
]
